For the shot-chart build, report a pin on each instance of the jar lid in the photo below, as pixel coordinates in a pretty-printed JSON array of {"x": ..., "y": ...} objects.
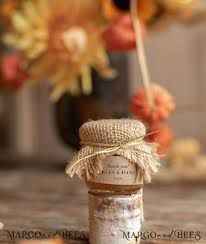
[{"x": 111, "y": 131}]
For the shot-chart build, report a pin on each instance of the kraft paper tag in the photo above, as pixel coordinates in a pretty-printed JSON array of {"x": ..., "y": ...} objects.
[{"x": 117, "y": 170}]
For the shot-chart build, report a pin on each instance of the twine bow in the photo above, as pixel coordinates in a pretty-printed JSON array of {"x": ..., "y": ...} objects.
[{"x": 123, "y": 149}]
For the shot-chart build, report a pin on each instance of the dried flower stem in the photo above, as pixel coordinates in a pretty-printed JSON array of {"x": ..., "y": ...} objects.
[{"x": 141, "y": 56}]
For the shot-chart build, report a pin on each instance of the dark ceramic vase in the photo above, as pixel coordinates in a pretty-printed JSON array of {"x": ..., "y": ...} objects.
[{"x": 109, "y": 99}]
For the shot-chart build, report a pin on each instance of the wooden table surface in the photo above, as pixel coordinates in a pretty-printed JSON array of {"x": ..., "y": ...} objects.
[{"x": 48, "y": 201}]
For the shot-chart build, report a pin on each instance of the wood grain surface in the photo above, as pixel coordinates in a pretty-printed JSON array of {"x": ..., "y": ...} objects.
[{"x": 49, "y": 201}]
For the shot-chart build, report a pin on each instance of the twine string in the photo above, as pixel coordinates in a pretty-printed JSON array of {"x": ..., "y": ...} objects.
[
  {"x": 109, "y": 148},
  {"x": 140, "y": 52}
]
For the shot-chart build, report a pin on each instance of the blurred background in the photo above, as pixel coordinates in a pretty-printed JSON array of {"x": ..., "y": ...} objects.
[{"x": 177, "y": 59}]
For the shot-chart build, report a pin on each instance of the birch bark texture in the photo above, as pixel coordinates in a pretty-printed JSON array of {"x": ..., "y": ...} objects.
[{"x": 114, "y": 218}]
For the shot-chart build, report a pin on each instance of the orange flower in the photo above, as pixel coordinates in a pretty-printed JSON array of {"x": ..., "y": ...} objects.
[
  {"x": 147, "y": 9},
  {"x": 115, "y": 8},
  {"x": 110, "y": 11},
  {"x": 163, "y": 137},
  {"x": 164, "y": 105}
]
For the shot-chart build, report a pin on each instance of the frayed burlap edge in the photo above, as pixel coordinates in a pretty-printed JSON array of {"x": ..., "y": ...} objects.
[{"x": 87, "y": 163}]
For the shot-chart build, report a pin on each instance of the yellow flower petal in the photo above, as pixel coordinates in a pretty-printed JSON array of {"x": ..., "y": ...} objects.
[
  {"x": 37, "y": 50},
  {"x": 44, "y": 32},
  {"x": 20, "y": 23},
  {"x": 59, "y": 75},
  {"x": 24, "y": 43},
  {"x": 10, "y": 39},
  {"x": 41, "y": 34},
  {"x": 31, "y": 13},
  {"x": 73, "y": 87},
  {"x": 102, "y": 65},
  {"x": 86, "y": 80},
  {"x": 57, "y": 92},
  {"x": 42, "y": 7}
]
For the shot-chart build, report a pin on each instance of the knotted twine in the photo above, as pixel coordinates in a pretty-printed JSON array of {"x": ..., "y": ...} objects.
[{"x": 124, "y": 137}]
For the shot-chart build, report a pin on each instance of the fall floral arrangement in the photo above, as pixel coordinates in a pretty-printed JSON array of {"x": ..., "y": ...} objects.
[
  {"x": 49, "y": 44},
  {"x": 57, "y": 46}
]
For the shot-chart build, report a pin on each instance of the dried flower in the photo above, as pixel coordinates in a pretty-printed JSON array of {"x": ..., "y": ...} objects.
[
  {"x": 61, "y": 41},
  {"x": 119, "y": 35},
  {"x": 163, "y": 136},
  {"x": 147, "y": 10},
  {"x": 115, "y": 8},
  {"x": 13, "y": 75},
  {"x": 164, "y": 105}
]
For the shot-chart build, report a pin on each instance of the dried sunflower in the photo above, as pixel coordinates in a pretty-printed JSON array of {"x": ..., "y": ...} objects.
[{"x": 61, "y": 41}]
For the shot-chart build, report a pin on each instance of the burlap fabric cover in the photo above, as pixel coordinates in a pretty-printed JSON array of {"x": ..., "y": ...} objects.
[{"x": 123, "y": 137}]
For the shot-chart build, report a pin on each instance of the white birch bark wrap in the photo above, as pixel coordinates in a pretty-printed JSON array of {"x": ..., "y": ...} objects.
[{"x": 113, "y": 218}]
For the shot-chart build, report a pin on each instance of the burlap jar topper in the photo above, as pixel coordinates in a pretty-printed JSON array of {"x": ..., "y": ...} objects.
[{"x": 124, "y": 137}]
